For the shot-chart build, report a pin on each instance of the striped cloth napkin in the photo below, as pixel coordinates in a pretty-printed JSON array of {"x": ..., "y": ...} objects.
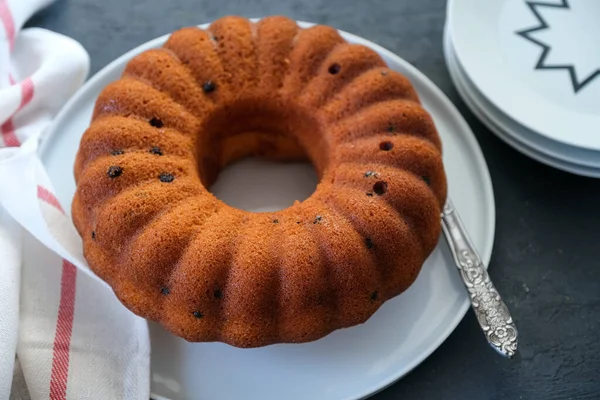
[{"x": 63, "y": 329}]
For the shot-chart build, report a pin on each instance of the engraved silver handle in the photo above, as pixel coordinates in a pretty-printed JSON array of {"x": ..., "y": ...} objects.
[{"x": 491, "y": 312}]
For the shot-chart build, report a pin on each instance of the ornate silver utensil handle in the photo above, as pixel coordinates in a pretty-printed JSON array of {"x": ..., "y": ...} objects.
[{"x": 491, "y": 312}]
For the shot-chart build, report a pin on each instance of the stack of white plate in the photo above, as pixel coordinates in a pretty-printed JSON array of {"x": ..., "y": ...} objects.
[{"x": 530, "y": 70}]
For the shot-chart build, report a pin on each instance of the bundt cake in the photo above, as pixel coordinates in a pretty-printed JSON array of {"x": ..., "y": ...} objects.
[{"x": 175, "y": 254}]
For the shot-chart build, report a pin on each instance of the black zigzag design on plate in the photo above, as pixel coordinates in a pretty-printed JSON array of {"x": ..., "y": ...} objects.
[{"x": 541, "y": 64}]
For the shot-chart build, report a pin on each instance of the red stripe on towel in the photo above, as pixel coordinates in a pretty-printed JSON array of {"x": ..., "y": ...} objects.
[
  {"x": 45, "y": 195},
  {"x": 9, "y": 23},
  {"x": 7, "y": 130},
  {"x": 64, "y": 329}
]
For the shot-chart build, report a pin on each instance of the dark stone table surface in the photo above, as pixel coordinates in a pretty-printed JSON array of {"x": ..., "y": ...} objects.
[{"x": 546, "y": 259}]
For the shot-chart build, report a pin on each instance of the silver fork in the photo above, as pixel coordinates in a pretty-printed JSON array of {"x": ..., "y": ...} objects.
[{"x": 492, "y": 314}]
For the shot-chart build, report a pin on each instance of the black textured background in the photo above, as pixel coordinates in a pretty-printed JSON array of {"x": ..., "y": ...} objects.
[{"x": 546, "y": 259}]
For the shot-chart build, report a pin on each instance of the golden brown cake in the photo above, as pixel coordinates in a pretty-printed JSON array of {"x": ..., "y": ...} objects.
[{"x": 175, "y": 254}]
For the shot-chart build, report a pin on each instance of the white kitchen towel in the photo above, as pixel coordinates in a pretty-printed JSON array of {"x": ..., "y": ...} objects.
[{"x": 72, "y": 337}]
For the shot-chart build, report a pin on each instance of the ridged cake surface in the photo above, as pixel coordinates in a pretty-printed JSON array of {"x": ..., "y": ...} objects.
[{"x": 175, "y": 254}]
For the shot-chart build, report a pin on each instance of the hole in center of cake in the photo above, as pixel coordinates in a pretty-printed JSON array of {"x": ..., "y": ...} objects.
[
  {"x": 259, "y": 185},
  {"x": 261, "y": 155}
]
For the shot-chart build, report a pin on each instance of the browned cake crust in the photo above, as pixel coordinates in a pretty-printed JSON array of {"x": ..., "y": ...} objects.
[{"x": 175, "y": 254}]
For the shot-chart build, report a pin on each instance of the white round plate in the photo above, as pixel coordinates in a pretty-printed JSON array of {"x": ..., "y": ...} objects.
[
  {"x": 538, "y": 63},
  {"x": 350, "y": 363},
  {"x": 506, "y": 129},
  {"x": 531, "y": 139}
]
